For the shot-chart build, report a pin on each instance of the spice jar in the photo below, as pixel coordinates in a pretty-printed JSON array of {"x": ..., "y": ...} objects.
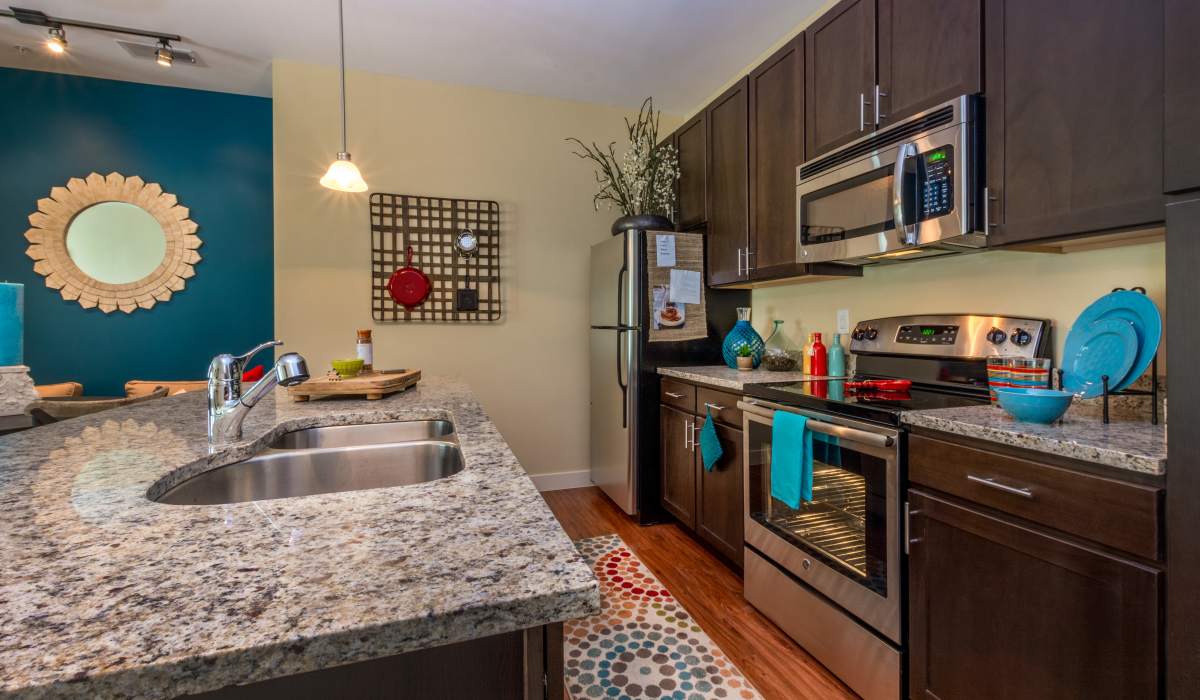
[{"x": 365, "y": 349}]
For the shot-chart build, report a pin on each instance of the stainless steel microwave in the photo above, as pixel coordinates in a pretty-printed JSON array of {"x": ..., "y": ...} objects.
[{"x": 912, "y": 190}]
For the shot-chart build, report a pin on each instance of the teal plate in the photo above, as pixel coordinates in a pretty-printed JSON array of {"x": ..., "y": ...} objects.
[
  {"x": 1107, "y": 347},
  {"x": 1139, "y": 310}
]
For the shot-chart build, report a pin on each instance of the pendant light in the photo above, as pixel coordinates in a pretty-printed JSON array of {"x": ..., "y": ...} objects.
[{"x": 343, "y": 175}]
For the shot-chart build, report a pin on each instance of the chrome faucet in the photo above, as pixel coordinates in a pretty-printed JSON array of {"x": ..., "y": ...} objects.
[{"x": 228, "y": 406}]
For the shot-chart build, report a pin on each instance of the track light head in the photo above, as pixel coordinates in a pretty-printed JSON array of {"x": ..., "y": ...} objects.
[
  {"x": 164, "y": 56},
  {"x": 57, "y": 43}
]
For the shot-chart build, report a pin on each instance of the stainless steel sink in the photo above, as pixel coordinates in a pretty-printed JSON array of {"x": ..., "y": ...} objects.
[
  {"x": 304, "y": 472},
  {"x": 371, "y": 434}
]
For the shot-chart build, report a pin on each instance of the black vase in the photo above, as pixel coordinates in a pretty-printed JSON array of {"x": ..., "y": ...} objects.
[{"x": 642, "y": 222}]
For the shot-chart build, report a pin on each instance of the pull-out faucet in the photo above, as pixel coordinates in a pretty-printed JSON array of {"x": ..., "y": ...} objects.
[{"x": 228, "y": 406}]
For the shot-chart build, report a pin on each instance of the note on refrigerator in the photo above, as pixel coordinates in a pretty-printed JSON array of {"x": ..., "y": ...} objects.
[
  {"x": 685, "y": 286},
  {"x": 664, "y": 245}
]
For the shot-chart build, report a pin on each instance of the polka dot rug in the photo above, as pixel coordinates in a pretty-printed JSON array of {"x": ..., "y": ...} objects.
[{"x": 642, "y": 644}]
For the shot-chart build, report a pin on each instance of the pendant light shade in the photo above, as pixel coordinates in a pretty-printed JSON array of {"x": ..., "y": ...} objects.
[{"x": 343, "y": 174}]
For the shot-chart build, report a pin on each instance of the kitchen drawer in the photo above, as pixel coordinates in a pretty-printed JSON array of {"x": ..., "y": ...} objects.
[
  {"x": 723, "y": 406},
  {"x": 678, "y": 394},
  {"x": 1115, "y": 513}
]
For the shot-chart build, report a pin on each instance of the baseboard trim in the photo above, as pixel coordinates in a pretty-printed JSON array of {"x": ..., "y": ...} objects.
[{"x": 562, "y": 480}]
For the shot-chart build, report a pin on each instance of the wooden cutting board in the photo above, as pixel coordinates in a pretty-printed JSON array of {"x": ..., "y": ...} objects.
[{"x": 373, "y": 385}]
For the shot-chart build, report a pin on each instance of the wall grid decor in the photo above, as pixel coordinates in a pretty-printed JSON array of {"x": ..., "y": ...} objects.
[{"x": 430, "y": 226}]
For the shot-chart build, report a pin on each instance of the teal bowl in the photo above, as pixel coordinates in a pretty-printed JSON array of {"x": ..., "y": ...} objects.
[{"x": 1034, "y": 405}]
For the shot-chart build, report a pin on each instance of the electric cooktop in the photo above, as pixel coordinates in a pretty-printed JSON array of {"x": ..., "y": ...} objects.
[{"x": 833, "y": 396}]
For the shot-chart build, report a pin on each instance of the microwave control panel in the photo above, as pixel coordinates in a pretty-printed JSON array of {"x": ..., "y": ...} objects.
[{"x": 937, "y": 183}]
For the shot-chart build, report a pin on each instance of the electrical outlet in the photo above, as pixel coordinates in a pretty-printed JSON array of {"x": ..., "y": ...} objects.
[{"x": 843, "y": 320}]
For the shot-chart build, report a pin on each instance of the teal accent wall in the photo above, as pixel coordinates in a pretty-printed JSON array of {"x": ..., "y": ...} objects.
[{"x": 212, "y": 150}]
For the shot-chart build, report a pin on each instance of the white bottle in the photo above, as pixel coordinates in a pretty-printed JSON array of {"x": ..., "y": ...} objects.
[{"x": 365, "y": 349}]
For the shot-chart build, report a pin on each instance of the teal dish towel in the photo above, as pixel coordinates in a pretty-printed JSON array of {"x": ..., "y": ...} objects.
[
  {"x": 791, "y": 459},
  {"x": 710, "y": 445}
]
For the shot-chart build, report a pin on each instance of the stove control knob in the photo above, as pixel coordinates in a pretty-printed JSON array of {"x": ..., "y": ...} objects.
[
  {"x": 997, "y": 336},
  {"x": 871, "y": 333},
  {"x": 1021, "y": 337},
  {"x": 859, "y": 333}
]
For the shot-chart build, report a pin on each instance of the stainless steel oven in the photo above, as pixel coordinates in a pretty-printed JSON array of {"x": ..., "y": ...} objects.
[
  {"x": 843, "y": 544},
  {"x": 912, "y": 190}
]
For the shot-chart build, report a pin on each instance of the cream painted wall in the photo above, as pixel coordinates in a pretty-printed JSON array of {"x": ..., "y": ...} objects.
[
  {"x": 1041, "y": 285},
  {"x": 414, "y": 137}
]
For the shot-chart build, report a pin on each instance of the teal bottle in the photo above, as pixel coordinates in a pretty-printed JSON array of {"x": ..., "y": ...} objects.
[{"x": 837, "y": 357}]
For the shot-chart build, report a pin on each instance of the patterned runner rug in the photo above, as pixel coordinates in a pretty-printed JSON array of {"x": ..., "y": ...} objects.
[{"x": 642, "y": 644}]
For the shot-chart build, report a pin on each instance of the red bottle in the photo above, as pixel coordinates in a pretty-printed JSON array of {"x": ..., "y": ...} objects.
[{"x": 820, "y": 357}]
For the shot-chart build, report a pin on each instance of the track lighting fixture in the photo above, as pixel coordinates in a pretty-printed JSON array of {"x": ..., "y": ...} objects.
[
  {"x": 57, "y": 43},
  {"x": 164, "y": 56}
]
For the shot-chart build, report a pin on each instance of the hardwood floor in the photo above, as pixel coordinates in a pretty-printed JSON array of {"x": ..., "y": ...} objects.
[{"x": 711, "y": 591}]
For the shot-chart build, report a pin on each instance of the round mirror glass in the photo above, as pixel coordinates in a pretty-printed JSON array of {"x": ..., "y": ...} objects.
[{"x": 116, "y": 242}]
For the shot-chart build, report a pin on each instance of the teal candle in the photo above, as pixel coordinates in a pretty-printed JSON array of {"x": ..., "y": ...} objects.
[{"x": 12, "y": 323}]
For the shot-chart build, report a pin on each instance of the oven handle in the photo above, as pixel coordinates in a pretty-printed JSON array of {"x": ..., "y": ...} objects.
[
  {"x": 903, "y": 152},
  {"x": 817, "y": 426}
]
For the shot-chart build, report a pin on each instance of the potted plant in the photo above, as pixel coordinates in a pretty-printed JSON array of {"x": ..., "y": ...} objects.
[
  {"x": 745, "y": 358},
  {"x": 641, "y": 181}
]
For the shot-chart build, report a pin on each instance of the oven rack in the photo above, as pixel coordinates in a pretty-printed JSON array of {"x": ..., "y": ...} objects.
[{"x": 834, "y": 521}]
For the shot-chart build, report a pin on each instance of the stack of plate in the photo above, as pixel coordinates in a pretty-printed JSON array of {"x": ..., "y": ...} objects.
[{"x": 1117, "y": 336}]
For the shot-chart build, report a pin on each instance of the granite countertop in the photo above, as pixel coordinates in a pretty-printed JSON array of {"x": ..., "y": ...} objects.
[
  {"x": 722, "y": 377},
  {"x": 1131, "y": 444},
  {"x": 104, "y": 593}
]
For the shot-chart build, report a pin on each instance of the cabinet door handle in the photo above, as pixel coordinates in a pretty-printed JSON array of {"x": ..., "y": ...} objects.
[
  {"x": 739, "y": 262},
  {"x": 908, "y": 538},
  {"x": 879, "y": 116},
  {"x": 714, "y": 407},
  {"x": 748, "y": 254},
  {"x": 993, "y": 484},
  {"x": 673, "y": 395},
  {"x": 687, "y": 443},
  {"x": 987, "y": 210},
  {"x": 862, "y": 111}
]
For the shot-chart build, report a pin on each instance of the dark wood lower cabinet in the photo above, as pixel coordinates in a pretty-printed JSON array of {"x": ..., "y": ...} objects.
[
  {"x": 707, "y": 502},
  {"x": 678, "y": 464},
  {"x": 720, "y": 521},
  {"x": 1002, "y": 610},
  {"x": 523, "y": 665}
]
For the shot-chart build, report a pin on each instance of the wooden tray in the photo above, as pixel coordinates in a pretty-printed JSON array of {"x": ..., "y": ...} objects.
[{"x": 372, "y": 385}]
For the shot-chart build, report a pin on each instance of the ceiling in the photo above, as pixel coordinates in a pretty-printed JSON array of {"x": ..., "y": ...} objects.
[{"x": 608, "y": 51}]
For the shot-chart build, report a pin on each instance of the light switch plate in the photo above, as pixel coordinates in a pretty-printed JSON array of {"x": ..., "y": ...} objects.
[{"x": 843, "y": 320}]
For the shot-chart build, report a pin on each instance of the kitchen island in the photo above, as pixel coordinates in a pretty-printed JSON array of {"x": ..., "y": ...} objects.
[{"x": 105, "y": 593}]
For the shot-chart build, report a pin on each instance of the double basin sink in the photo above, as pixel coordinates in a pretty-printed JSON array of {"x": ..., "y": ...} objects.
[{"x": 329, "y": 460}]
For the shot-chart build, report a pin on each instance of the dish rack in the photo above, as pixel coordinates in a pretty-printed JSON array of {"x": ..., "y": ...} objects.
[
  {"x": 430, "y": 225},
  {"x": 1152, "y": 392}
]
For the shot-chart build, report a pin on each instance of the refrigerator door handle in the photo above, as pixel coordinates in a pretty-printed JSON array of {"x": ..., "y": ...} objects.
[{"x": 620, "y": 338}]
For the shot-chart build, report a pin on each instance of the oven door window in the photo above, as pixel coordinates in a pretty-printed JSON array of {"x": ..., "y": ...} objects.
[
  {"x": 860, "y": 206},
  {"x": 845, "y": 523}
]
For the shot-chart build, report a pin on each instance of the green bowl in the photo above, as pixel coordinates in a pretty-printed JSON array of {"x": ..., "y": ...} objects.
[{"x": 348, "y": 368}]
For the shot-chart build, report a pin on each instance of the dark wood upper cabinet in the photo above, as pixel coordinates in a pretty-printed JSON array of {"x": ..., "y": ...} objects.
[
  {"x": 1074, "y": 116},
  {"x": 719, "y": 500},
  {"x": 839, "y": 83},
  {"x": 678, "y": 465},
  {"x": 930, "y": 51},
  {"x": 1182, "y": 118},
  {"x": 1000, "y": 610},
  {"x": 692, "y": 141},
  {"x": 728, "y": 185},
  {"x": 776, "y": 149}
]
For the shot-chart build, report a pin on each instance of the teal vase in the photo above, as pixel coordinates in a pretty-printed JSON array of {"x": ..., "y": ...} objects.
[{"x": 742, "y": 335}]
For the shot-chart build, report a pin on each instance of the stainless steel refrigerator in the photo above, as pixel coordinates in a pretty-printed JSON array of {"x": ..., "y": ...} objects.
[{"x": 623, "y": 367}]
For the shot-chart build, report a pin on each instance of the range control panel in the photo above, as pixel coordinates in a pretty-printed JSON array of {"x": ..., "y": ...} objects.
[
  {"x": 927, "y": 334},
  {"x": 952, "y": 336}
]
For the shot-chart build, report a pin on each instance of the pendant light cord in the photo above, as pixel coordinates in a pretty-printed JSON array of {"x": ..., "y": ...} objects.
[{"x": 342, "y": 52}]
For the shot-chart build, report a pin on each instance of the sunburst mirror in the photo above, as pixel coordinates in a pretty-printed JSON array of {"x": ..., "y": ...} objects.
[{"x": 113, "y": 242}]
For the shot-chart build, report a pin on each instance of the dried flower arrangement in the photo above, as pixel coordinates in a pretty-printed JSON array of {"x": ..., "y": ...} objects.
[{"x": 642, "y": 180}]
